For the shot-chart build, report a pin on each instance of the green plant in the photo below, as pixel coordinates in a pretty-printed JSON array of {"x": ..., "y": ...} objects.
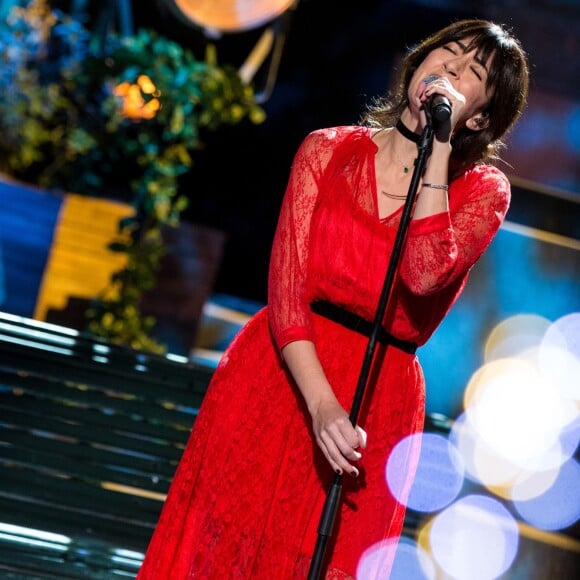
[{"x": 123, "y": 124}]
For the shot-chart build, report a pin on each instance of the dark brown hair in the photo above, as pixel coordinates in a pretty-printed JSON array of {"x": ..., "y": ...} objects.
[{"x": 507, "y": 82}]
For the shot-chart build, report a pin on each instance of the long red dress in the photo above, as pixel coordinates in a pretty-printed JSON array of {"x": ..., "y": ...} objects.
[{"x": 248, "y": 492}]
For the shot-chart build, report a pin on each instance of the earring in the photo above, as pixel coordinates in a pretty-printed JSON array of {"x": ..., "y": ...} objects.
[{"x": 483, "y": 120}]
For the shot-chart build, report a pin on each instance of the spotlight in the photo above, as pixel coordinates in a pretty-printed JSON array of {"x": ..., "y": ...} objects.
[
  {"x": 218, "y": 17},
  {"x": 230, "y": 15}
]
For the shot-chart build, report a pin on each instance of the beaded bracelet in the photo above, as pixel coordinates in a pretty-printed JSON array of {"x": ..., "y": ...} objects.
[{"x": 435, "y": 186}]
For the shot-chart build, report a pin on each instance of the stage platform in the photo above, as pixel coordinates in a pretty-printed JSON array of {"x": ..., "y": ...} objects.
[{"x": 91, "y": 433}]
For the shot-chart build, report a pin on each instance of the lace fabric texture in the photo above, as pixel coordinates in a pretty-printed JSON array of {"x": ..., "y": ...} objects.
[
  {"x": 330, "y": 243},
  {"x": 248, "y": 492}
]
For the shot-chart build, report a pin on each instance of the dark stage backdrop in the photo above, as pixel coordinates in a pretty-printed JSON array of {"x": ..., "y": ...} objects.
[{"x": 337, "y": 57}]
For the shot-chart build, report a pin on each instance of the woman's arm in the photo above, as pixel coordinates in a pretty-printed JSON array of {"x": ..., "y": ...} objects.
[
  {"x": 432, "y": 201},
  {"x": 332, "y": 428},
  {"x": 443, "y": 247},
  {"x": 289, "y": 303}
]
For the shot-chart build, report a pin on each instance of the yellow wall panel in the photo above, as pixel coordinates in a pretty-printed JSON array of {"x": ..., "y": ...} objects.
[{"x": 80, "y": 264}]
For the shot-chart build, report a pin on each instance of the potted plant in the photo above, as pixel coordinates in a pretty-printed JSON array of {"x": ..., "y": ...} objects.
[{"x": 122, "y": 124}]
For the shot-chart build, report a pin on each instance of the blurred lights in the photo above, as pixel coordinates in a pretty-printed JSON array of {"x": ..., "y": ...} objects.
[
  {"x": 220, "y": 16},
  {"x": 439, "y": 474},
  {"x": 33, "y": 537},
  {"x": 517, "y": 437},
  {"x": 565, "y": 333},
  {"x": 389, "y": 561},
  {"x": 475, "y": 538},
  {"x": 521, "y": 422},
  {"x": 376, "y": 562},
  {"x": 559, "y": 355},
  {"x": 512, "y": 336},
  {"x": 411, "y": 561},
  {"x": 512, "y": 407},
  {"x": 177, "y": 358},
  {"x": 134, "y": 106},
  {"x": 559, "y": 506}
]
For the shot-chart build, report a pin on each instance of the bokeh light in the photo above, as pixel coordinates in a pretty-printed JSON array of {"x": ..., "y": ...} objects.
[
  {"x": 475, "y": 538},
  {"x": 133, "y": 105},
  {"x": 559, "y": 506},
  {"x": 513, "y": 409},
  {"x": 561, "y": 368},
  {"x": 391, "y": 561},
  {"x": 559, "y": 355},
  {"x": 521, "y": 421},
  {"x": 514, "y": 335},
  {"x": 528, "y": 484},
  {"x": 517, "y": 436},
  {"x": 565, "y": 333},
  {"x": 521, "y": 426},
  {"x": 439, "y": 474}
]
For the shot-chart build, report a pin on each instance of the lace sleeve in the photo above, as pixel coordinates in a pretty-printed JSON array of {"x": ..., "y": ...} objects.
[
  {"x": 441, "y": 248},
  {"x": 288, "y": 304}
]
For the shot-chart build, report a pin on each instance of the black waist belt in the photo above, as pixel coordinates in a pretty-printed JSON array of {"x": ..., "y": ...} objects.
[{"x": 358, "y": 324}]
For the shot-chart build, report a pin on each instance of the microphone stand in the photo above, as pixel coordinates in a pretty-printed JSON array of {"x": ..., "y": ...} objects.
[{"x": 329, "y": 511}]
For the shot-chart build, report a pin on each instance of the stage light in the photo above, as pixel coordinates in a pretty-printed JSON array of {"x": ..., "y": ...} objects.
[
  {"x": 231, "y": 15},
  {"x": 476, "y": 538},
  {"x": 516, "y": 411},
  {"x": 514, "y": 335},
  {"x": 439, "y": 475},
  {"x": 559, "y": 506},
  {"x": 218, "y": 17},
  {"x": 133, "y": 104},
  {"x": 392, "y": 560}
]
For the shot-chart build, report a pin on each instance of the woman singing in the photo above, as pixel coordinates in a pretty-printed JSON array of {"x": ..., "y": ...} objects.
[{"x": 274, "y": 428}]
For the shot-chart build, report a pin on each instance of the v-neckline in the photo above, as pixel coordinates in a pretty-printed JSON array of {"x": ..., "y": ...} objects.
[{"x": 376, "y": 193}]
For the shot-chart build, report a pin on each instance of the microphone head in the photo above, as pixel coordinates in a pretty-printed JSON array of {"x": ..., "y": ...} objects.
[
  {"x": 429, "y": 79},
  {"x": 439, "y": 106}
]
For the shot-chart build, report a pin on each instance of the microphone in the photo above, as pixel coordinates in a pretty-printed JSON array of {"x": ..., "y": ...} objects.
[{"x": 439, "y": 106}]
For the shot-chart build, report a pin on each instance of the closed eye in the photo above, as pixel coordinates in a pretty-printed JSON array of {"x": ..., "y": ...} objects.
[{"x": 477, "y": 73}]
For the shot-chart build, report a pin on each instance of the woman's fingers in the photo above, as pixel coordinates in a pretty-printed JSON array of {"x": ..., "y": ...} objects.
[
  {"x": 339, "y": 441},
  {"x": 335, "y": 457},
  {"x": 362, "y": 436},
  {"x": 337, "y": 438}
]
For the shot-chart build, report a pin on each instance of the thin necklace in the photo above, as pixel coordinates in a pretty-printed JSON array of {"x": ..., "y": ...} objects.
[
  {"x": 406, "y": 168},
  {"x": 394, "y": 195},
  {"x": 415, "y": 138}
]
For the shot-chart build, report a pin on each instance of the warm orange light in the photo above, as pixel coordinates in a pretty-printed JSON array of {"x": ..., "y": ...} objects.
[
  {"x": 232, "y": 15},
  {"x": 133, "y": 104}
]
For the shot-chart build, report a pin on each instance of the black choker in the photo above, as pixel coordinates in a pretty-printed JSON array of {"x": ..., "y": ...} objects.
[{"x": 406, "y": 132}]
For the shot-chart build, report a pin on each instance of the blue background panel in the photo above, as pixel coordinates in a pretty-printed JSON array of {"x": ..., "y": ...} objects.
[{"x": 27, "y": 224}]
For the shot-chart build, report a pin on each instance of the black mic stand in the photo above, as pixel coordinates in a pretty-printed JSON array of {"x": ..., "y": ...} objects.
[{"x": 329, "y": 511}]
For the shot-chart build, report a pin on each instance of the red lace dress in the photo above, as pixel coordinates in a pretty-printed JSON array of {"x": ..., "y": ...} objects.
[{"x": 248, "y": 492}]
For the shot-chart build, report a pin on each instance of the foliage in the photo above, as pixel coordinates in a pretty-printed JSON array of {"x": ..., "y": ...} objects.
[{"x": 121, "y": 124}]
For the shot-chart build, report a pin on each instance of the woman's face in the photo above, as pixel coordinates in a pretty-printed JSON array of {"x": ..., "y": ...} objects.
[{"x": 466, "y": 72}]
